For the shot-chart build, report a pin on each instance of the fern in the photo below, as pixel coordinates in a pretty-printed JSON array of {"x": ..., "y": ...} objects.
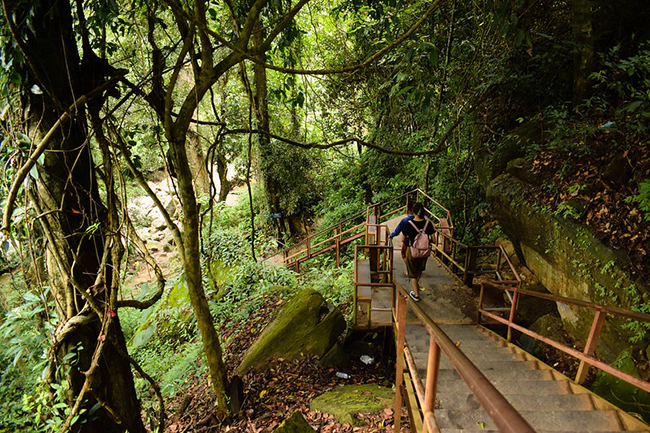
[{"x": 642, "y": 198}]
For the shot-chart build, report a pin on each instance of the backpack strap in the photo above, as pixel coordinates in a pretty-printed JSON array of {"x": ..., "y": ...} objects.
[{"x": 416, "y": 227}]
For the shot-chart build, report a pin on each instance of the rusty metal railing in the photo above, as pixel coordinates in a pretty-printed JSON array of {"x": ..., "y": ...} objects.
[
  {"x": 463, "y": 260},
  {"x": 330, "y": 238},
  {"x": 353, "y": 228},
  {"x": 506, "y": 417},
  {"x": 376, "y": 273},
  {"x": 586, "y": 356}
]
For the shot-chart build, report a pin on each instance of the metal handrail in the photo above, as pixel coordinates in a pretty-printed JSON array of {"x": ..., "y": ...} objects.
[
  {"x": 504, "y": 415},
  {"x": 338, "y": 226},
  {"x": 468, "y": 268},
  {"x": 586, "y": 357},
  {"x": 384, "y": 269}
]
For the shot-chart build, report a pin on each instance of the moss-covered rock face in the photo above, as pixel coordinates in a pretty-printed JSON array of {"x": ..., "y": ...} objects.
[
  {"x": 569, "y": 261},
  {"x": 621, "y": 393},
  {"x": 345, "y": 402},
  {"x": 294, "y": 424},
  {"x": 490, "y": 164},
  {"x": 305, "y": 326}
]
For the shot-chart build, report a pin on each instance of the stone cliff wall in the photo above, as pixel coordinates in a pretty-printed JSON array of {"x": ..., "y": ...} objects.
[{"x": 569, "y": 260}]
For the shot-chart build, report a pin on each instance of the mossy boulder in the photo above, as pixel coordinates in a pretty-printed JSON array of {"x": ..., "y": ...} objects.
[
  {"x": 490, "y": 163},
  {"x": 306, "y": 325},
  {"x": 345, "y": 402},
  {"x": 294, "y": 424},
  {"x": 549, "y": 326},
  {"x": 570, "y": 261},
  {"x": 620, "y": 393},
  {"x": 337, "y": 356}
]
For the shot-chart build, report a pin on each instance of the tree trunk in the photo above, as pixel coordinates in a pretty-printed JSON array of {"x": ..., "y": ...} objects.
[
  {"x": 583, "y": 62},
  {"x": 225, "y": 185},
  {"x": 191, "y": 259},
  {"x": 74, "y": 219},
  {"x": 272, "y": 187},
  {"x": 197, "y": 164}
]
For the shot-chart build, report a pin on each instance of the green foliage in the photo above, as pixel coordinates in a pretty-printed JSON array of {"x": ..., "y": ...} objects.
[
  {"x": 642, "y": 198},
  {"x": 25, "y": 334},
  {"x": 227, "y": 246},
  {"x": 248, "y": 283},
  {"x": 335, "y": 284},
  {"x": 626, "y": 81},
  {"x": 620, "y": 393},
  {"x": 164, "y": 339}
]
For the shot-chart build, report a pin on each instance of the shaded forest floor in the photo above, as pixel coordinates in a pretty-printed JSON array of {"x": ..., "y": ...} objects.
[
  {"x": 589, "y": 180},
  {"x": 273, "y": 394}
]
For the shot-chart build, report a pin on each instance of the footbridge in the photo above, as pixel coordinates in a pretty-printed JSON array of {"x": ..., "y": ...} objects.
[{"x": 453, "y": 373}]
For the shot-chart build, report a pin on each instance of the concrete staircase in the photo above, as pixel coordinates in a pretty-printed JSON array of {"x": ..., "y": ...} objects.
[{"x": 545, "y": 398}]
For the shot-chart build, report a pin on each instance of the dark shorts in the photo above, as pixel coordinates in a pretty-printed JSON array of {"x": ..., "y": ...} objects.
[{"x": 414, "y": 267}]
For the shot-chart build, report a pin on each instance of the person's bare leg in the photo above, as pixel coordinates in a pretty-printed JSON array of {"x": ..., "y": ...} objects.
[{"x": 414, "y": 283}]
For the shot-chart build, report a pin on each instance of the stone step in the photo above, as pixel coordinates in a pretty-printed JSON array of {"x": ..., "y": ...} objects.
[
  {"x": 557, "y": 421},
  {"x": 476, "y": 351},
  {"x": 421, "y": 344},
  {"x": 496, "y": 376},
  {"x": 482, "y": 364},
  {"x": 559, "y": 402},
  {"x": 468, "y": 332},
  {"x": 479, "y": 430},
  {"x": 454, "y": 332},
  {"x": 511, "y": 387}
]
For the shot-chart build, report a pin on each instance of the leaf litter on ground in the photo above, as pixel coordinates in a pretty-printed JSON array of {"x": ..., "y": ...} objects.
[{"x": 273, "y": 394}]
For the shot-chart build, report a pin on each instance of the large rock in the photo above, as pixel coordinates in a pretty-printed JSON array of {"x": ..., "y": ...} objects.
[
  {"x": 491, "y": 163},
  {"x": 294, "y": 424},
  {"x": 345, "y": 402},
  {"x": 570, "y": 261},
  {"x": 306, "y": 325},
  {"x": 620, "y": 393}
]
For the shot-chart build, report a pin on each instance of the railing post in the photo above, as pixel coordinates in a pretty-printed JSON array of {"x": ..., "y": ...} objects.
[
  {"x": 499, "y": 260},
  {"x": 433, "y": 368},
  {"x": 470, "y": 266},
  {"x": 513, "y": 311},
  {"x": 400, "y": 313},
  {"x": 480, "y": 303},
  {"x": 308, "y": 247},
  {"x": 590, "y": 347},
  {"x": 338, "y": 252}
]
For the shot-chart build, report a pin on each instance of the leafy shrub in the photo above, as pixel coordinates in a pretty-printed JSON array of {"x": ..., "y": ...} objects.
[
  {"x": 248, "y": 283},
  {"x": 25, "y": 334},
  {"x": 335, "y": 284},
  {"x": 226, "y": 246},
  {"x": 642, "y": 198}
]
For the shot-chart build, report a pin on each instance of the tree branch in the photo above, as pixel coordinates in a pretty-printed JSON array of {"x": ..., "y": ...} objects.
[
  {"x": 359, "y": 141},
  {"x": 253, "y": 55},
  {"x": 33, "y": 158},
  {"x": 176, "y": 233}
]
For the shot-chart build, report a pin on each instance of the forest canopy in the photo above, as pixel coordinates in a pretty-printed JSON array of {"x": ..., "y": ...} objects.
[{"x": 315, "y": 108}]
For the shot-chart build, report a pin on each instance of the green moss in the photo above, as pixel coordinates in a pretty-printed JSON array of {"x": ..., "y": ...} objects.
[
  {"x": 294, "y": 424},
  {"x": 305, "y": 325},
  {"x": 622, "y": 394},
  {"x": 344, "y": 402}
]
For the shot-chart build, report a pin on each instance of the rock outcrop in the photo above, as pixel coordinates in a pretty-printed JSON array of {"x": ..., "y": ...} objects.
[
  {"x": 306, "y": 325},
  {"x": 569, "y": 260},
  {"x": 149, "y": 221}
]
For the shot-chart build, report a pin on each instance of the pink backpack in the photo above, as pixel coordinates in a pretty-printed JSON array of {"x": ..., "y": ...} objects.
[{"x": 420, "y": 247}]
